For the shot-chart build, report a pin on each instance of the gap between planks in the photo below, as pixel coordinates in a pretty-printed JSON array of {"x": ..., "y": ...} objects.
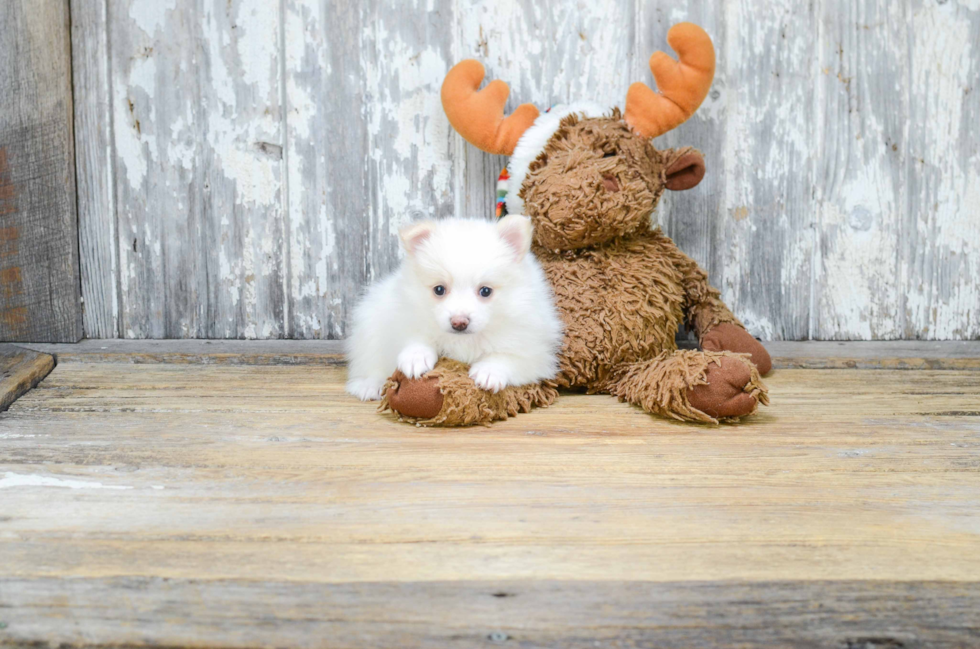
[{"x": 932, "y": 355}]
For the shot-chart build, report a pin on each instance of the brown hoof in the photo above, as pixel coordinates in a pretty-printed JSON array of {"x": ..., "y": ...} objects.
[
  {"x": 418, "y": 398},
  {"x": 724, "y": 395},
  {"x": 728, "y": 337}
]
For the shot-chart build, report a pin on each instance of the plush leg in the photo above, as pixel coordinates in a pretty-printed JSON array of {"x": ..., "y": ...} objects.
[
  {"x": 447, "y": 396},
  {"x": 693, "y": 386}
]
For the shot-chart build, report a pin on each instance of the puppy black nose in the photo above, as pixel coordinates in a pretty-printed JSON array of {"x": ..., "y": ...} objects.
[{"x": 459, "y": 322}]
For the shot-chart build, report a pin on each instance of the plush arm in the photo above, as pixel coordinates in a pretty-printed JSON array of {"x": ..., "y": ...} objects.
[
  {"x": 716, "y": 326},
  {"x": 703, "y": 308}
]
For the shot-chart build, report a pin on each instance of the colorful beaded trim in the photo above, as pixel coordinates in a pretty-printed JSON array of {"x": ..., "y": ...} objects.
[{"x": 502, "y": 193}]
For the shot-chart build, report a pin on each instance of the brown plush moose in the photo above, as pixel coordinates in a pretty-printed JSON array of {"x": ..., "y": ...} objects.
[{"x": 589, "y": 180}]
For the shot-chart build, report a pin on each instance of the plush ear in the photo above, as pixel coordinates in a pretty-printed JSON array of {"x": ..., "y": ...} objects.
[
  {"x": 515, "y": 230},
  {"x": 684, "y": 168},
  {"x": 415, "y": 235}
]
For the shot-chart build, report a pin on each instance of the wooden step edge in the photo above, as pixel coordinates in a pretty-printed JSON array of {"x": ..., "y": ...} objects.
[{"x": 20, "y": 370}]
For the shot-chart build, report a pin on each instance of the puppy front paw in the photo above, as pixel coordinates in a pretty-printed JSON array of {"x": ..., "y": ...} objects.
[
  {"x": 490, "y": 376},
  {"x": 366, "y": 389},
  {"x": 416, "y": 360}
]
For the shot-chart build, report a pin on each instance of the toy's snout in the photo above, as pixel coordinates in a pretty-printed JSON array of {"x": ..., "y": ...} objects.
[{"x": 610, "y": 183}]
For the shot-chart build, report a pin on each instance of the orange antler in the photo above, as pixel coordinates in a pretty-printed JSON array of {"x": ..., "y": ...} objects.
[
  {"x": 479, "y": 116},
  {"x": 683, "y": 85}
]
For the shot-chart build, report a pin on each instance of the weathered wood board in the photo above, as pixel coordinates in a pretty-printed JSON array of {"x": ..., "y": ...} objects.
[
  {"x": 191, "y": 504},
  {"x": 98, "y": 236},
  {"x": 368, "y": 148},
  {"x": 248, "y": 163},
  {"x": 574, "y": 614},
  {"x": 20, "y": 370},
  {"x": 39, "y": 287}
]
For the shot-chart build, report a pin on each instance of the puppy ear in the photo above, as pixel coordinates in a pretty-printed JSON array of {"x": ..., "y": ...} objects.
[
  {"x": 415, "y": 235},
  {"x": 515, "y": 230}
]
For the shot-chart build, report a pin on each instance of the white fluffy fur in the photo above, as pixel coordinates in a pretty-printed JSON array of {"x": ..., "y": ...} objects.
[
  {"x": 513, "y": 337},
  {"x": 532, "y": 142}
]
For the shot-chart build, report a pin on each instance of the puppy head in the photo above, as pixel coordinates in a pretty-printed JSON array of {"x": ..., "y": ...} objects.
[{"x": 466, "y": 272}]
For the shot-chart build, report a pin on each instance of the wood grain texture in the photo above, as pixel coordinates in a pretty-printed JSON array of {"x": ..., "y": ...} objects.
[
  {"x": 39, "y": 288},
  {"x": 198, "y": 156},
  {"x": 209, "y": 506},
  {"x": 841, "y": 140},
  {"x": 132, "y": 611},
  {"x": 20, "y": 370},
  {"x": 860, "y": 170},
  {"x": 98, "y": 236},
  {"x": 943, "y": 171},
  {"x": 368, "y": 145}
]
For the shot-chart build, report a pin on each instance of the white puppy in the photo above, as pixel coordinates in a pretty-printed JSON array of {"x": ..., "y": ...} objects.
[{"x": 468, "y": 290}]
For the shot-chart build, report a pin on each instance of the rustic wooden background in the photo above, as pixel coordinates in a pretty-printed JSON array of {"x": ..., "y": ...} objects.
[
  {"x": 39, "y": 284},
  {"x": 243, "y": 165}
]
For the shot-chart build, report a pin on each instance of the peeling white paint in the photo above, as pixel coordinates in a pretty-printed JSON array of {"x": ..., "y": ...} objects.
[
  {"x": 866, "y": 241},
  {"x": 207, "y": 95},
  {"x": 304, "y": 39},
  {"x": 303, "y": 111},
  {"x": 143, "y": 75},
  {"x": 150, "y": 15},
  {"x": 257, "y": 22},
  {"x": 129, "y": 147},
  {"x": 945, "y": 303},
  {"x": 407, "y": 106},
  {"x": 758, "y": 324},
  {"x": 860, "y": 262},
  {"x": 256, "y": 182},
  {"x": 181, "y": 149}
]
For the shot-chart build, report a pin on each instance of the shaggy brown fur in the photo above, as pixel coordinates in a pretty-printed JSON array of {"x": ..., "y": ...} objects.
[
  {"x": 622, "y": 288},
  {"x": 663, "y": 385},
  {"x": 593, "y": 182},
  {"x": 458, "y": 400},
  {"x": 623, "y": 302}
]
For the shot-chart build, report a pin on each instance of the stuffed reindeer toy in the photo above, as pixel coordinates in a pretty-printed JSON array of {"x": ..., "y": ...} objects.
[{"x": 589, "y": 180}]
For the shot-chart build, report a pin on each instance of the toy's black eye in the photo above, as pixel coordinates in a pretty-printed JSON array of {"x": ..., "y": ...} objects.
[
  {"x": 485, "y": 291},
  {"x": 439, "y": 290},
  {"x": 609, "y": 154}
]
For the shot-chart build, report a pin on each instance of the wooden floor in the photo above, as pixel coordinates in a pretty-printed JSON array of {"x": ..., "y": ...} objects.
[{"x": 238, "y": 505}]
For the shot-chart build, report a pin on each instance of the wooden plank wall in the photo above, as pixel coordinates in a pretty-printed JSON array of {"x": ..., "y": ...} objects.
[
  {"x": 244, "y": 164},
  {"x": 39, "y": 286}
]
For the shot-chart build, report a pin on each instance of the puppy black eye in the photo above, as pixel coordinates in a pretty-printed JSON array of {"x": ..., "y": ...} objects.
[
  {"x": 439, "y": 290},
  {"x": 485, "y": 291}
]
